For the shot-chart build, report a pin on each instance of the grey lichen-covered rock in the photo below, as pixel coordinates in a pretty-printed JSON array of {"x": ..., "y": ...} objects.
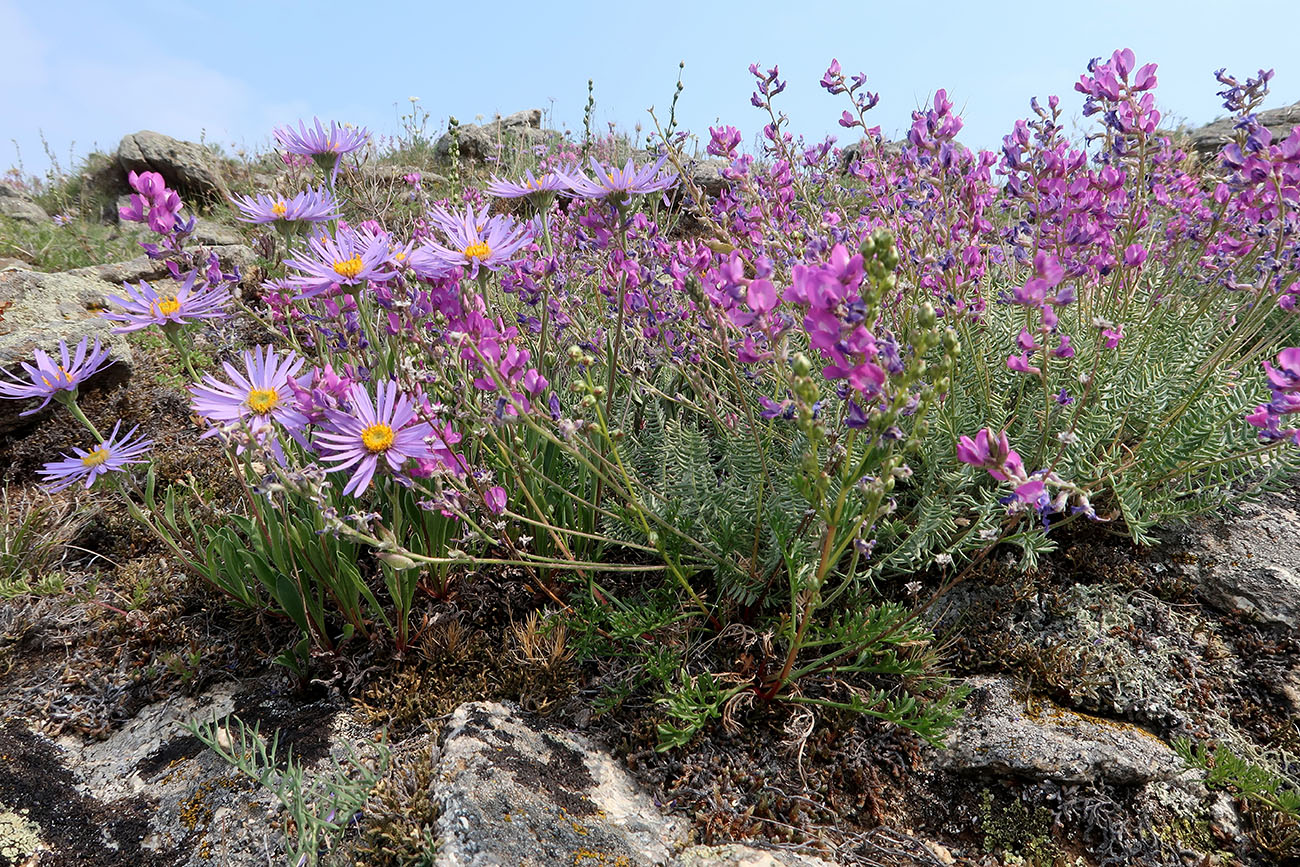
[
  {"x": 18, "y": 206},
  {"x": 515, "y": 795},
  {"x": 1210, "y": 139},
  {"x": 145, "y": 796},
  {"x": 213, "y": 234},
  {"x": 482, "y": 143},
  {"x": 736, "y": 855},
  {"x": 186, "y": 166},
  {"x": 1001, "y": 734},
  {"x": 707, "y": 175},
  {"x": 1249, "y": 562},
  {"x": 231, "y": 256},
  {"x": 152, "y": 795},
  {"x": 42, "y": 309}
]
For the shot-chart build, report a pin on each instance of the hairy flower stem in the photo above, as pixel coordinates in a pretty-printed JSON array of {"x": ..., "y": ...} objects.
[{"x": 69, "y": 400}]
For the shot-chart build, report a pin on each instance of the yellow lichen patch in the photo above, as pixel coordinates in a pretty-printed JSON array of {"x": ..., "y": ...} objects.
[
  {"x": 589, "y": 858},
  {"x": 1050, "y": 712},
  {"x": 20, "y": 837}
]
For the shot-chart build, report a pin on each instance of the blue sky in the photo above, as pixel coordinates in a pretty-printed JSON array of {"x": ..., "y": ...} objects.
[{"x": 85, "y": 73}]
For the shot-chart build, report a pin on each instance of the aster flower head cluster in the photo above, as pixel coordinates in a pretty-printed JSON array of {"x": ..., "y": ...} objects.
[
  {"x": 264, "y": 391},
  {"x": 59, "y": 378},
  {"x": 384, "y": 432},
  {"x": 194, "y": 300},
  {"x": 472, "y": 240},
  {"x": 349, "y": 258},
  {"x": 307, "y": 207},
  {"x": 112, "y": 455},
  {"x": 325, "y": 146},
  {"x": 617, "y": 185},
  {"x": 541, "y": 191}
]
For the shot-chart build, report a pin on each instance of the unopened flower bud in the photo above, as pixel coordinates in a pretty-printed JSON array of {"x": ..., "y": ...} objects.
[
  {"x": 926, "y": 316},
  {"x": 801, "y": 365},
  {"x": 397, "y": 561}
]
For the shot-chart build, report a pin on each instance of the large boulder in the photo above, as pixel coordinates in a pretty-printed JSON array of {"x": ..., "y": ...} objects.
[
  {"x": 484, "y": 143},
  {"x": 39, "y": 310},
  {"x": 1210, "y": 139},
  {"x": 187, "y": 167},
  {"x": 19, "y": 206}
]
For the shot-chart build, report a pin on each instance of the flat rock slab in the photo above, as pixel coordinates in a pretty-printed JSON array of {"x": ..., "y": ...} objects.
[
  {"x": 517, "y": 796},
  {"x": 143, "y": 268},
  {"x": 1248, "y": 563},
  {"x": 1000, "y": 734},
  {"x": 1210, "y": 139},
  {"x": 736, "y": 855}
]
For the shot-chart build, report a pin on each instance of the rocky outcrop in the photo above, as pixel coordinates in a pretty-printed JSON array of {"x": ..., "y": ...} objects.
[
  {"x": 1210, "y": 139},
  {"x": 189, "y": 168},
  {"x": 19, "y": 206},
  {"x": 42, "y": 309},
  {"x": 483, "y": 143}
]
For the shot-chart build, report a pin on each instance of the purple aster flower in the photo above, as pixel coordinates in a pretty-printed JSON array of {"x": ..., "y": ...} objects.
[
  {"x": 309, "y": 206},
  {"x": 112, "y": 455},
  {"x": 388, "y": 428},
  {"x": 473, "y": 239},
  {"x": 618, "y": 185},
  {"x": 325, "y": 147},
  {"x": 48, "y": 378},
  {"x": 349, "y": 259},
  {"x": 145, "y": 306},
  {"x": 539, "y": 190},
  {"x": 264, "y": 391}
]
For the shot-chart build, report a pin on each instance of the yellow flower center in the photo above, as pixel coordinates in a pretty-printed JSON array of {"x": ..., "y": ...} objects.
[
  {"x": 95, "y": 458},
  {"x": 46, "y": 379},
  {"x": 279, "y": 209},
  {"x": 399, "y": 256},
  {"x": 348, "y": 269},
  {"x": 167, "y": 306},
  {"x": 480, "y": 251},
  {"x": 262, "y": 400},
  {"x": 377, "y": 438}
]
